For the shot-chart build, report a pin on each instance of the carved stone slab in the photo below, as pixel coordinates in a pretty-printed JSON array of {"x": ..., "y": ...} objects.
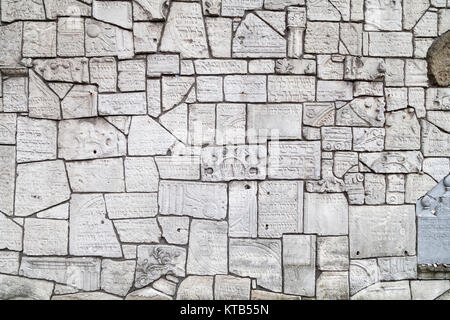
[
  {"x": 243, "y": 209},
  {"x": 207, "y": 254},
  {"x": 280, "y": 208},
  {"x": 36, "y": 139},
  {"x": 131, "y": 205},
  {"x": 63, "y": 69},
  {"x": 382, "y": 231},
  {"x": 132, "y": 103},
  {"x": 260, "y": 259},
  {"x": 248, "y": 88},
  {"x": 8, "y": 176},
  {"x": 195, "y": 199},
  {"x": 45, "y": 237},
  {"x": 291, "y": 88},
  {"x": 393, "y": 162},
  {"x": 234, "y": 163}
]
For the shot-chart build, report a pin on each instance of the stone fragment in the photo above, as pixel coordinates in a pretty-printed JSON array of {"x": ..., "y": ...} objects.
[
  {"x": 362, "y": 112},
  {"x": 147, "y": 137},
  {"x": 219, "y": 31},
  {"x": 413, "y": 12},
  {"x": 174, "y": 90},
  {"x": 155, "y": 261},
  {"x": 365, "y": 88},
  {"x": 254, "y": 38},
  {"x": 390, "y": 44},
  {"x": 117, "y": 276},
  {"x": 248, "y": 88},
  {"x": 11, "y": 234},
  {"x": 154, "y": 97},
  {"x": 60, "y": 212},
  {"x": 322, "y": 37},
  {"x": 146, "y": 36},
  {"x": 63, "y": 69},
  {"x": 326, "y": 214},
  {"x": 80, "y": 102},
  {"x": 199, "y": 200},
  {"x": 131, "y": 76},
  {"x": 80, "y": 273},
  {"x": 208, "y": 245},
  {"x": 131, "y": 205},
  {"x": 154, "y": 9},
  {"x": 332, "y": 253},
  {"x": 382, "y": 231},
  {"x": 231, "y": 123},
  {"x": 417, "y": 185},
  {"x": 428, "y": 290},
  {"x": 294, "y": 160},
  {"x": 147, "y": 293},
  {"x": 231, "y": 288},
  {"x": 397, "y": 268},
  {"x": 393, "y": 162},
  {"x": 368, "y": 139},
  {"x": 141, "y": 174},
  {"x": 15, "y": 94},
  {"x": 36, "y": 139},
  {"x": 89, "y": 139},
  {"x": 40, "y": 185},
  {"x": 9, "y": 262},
  {"x": 332, "y": 285},
  {"x": 8, "y": 178},
  {"x": 130, "y": 103},
  {"x": 115, "y": 12},
  {"x": 45, "y": 237},
  {"x": 243, "y": 209},
  {"x": 364, "y": 68},
  {"x": 18, "y": 288},
  {"x": 437, "y": 168},
  {"x": 209, "y": 89},
  {"x": 438, "y": 61},
  {"x": 119, "y": 41},
  {"x": 42, "y": 102},
  {"x": 441, "y": 119},
  {"x": 336, "y": 139},
  {"x": 56, "y": 8},
  {"x": 86, "y": 296},
  {"x": 70, "y": 37},
  {"x": 237, "y": 8},
  {"x": 159, "y": 64},
  {"x": 267, "y": 121},
  {"x": 196, "y": 288},
  {"x": 175, "y": 230},
  {"x": 322, "y": 10},
  {"x": 181, "y": 168},
  {"x": 398, "y": 290},
  {"x": 267, "y": 295},
  {"x": 438, "y": 99},
  {"x": 363, "y": 273},
  {"x": 257, "y": 258},
  {"x": 299, "y": 260},
  {"x": 104, "y": 73},
  {"x": 395, "y": 191},
  {"x": 39, "y": 39},
  {"x": 375, "y": 188},
  {"x": 202, "y": 123},
  {"x": 10, "y": 43},
  {"x": 318, "y": 114},
  {"x": 383, "y": 15},
  {"x": 291, "y": 88},
  {"x": 234, "y": 163},
  {"x": 22, "y": 10},
  {"x": 185, "y": 31},
  {"x": 416, "y": 72},
  {"x": 102, "y": 175},
  {"x": 334, "y": 90},
  {"x": 344, "y": 162},
  {"x": 280, "y": 208},
  {"x": 435, "y": 142},
  {"x": 176, "y": 121},
  {"x": 138, "y": 230},
  {"x": 351, "y": 38}
]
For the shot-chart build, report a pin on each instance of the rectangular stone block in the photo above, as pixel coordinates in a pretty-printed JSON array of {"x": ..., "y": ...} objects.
[
  {"x": 249, "y": 88},
  {"x": 243, "y": 209},
  {"x": 291, "y": 88}
]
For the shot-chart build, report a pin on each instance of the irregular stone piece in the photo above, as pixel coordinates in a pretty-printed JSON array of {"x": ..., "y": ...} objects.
[
  {"x": 147, "y": 293},
  {"x": 234, "y": 163},
  {"x": 115, "y": 12},
  {"x": 440, "y": 118},
  {"x": 146, "y": 36},
  {"x": 70, "y": 37},
  {"x": 141, "y": 174},
  {"x": 393, "y": 162},
  {"x": 438, "y": 99},
  {"x": 185, "y": 31},
  {"x": 257, "y": 258},
  {"x": 8, "y": 178},
  {"x": 299, "y": 260},
  {"x": 209, "y": 89},
  {"x": 256, "y": 39},
  {"x": 42, "y": 102},
  {"x": 267, "y": 295},
  {"x": 154, "y": 261},
  {"x": 413, "y": 11},
  {"x": 237, "y": 8},
  {"x": 208, "y": 246},
  {"x": 39, "y": 39},
  {"x": 318, "y": 114},
  {"x": 56, "y": 8},
  {"x": 398, "y": 290},
  {"x": 158, "y": 64},
  {"x": 131, "y": 103},
  {"x": 220, "y": 66},
  {"x": 22, "y": 10},
  {"x": 231, "y": 124},
  {"x": 326, "y": 214},
  {"x": 40, "y": 185},
  {"x": 368, "y": 139},
  {"x": 280, "y": 208},
  {"x": 294, "y": 160},
  {"x": 181, "y": 168},
  {"x": 382, "y": 231},
  {"x": 196, "y": 288},
  {"x": 375, "y": 188},
  {"x": 332, "y": 253},
  {"x": 397, "y": 268},
  {"x": 131, "y": 77},
  {"x": 231, "y": 288},
  {"x": 45, "y": 237},
  {"x": 362, "y": 112},
  {"x": 60, "y": 212},
  {"x": 103, "y": 39},
  {"x": 15, "y": 94},
  {"x": 175, "y": 230},
  {"x": 243, "y": 209},
  {"x": 417, "y": 185},
  {"x": 332, "y": 285},
  {"x": 147, "y": 137},
  {"x": 10, "y": 43},
  {"x": 138, "y": 230},
  {"x": 131, "y": 205},
  {"x": 437, "y": 168},
  {"x": 117, "y": 276},
  {"x": 63, "y": 69},
  {"x": 322, "y": 37},
  {"x": 336, "y": 139},
  {"x": 428, "y": 290},
  {"x": 195, "y": 199},
  {"x": 18, "y": 288},
  {"x": 174, "y": 90},
  {"x": 11, "y": 234},
  {"x": 154, "y": 9},
  {"x": 435, "y": 142},
  {"x": 91, "y": 233},
  {"x": 104, "y": 73},
  {"x": 363, "y": 273},
  {"x": 334, "y": 90},
  {"x": 80, "y": 102},
  {"x": 383, "y": 15},
  {"x": 9, "y": 262},
  {"x": 102, "y": 175},
  {"x": 438, "y": 61},
  {"x": 79, "y": 273},
  {"x": 176, "y": 121},
  {"x": 219, "y": 31}
]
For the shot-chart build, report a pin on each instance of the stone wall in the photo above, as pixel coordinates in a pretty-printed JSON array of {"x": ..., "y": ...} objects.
[{"x": 224, "y": 149}]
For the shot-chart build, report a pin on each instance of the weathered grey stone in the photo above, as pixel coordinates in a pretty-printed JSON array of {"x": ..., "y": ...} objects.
[
  {"x": 131, "y": 205},
  {"x": 237, "y": 8},
  {"x": 147, "y": 293},
  {"x": 81, "y": 273},
  {"x": 257, "y": 258},
  {"x": 91, "y": 233},
  {"x": 219, "y": 31},
  {"x": 117, "y": 276},
  {"x": 60, "y": 212},
  {"x": 22, "y": 10},
  {"x": 9, "y": 262},
  {"x": 15, "y": 94},
  {"x": 40, "y": 185},
  {"x": 248, "y": 88},
  {"x": 154, "y": 261},
  {"x": 428, "y": 290},
  {"x": 36, "y": 140},
  {"x": 382, "y": 231},
  {"x": 299, "y": 261},
  {"x": 362, "y": 112},
  {"x": 393, "y": 162},
  {"x": 437, "y": 168},
  {"x": 18, "y": 288},
  {"x": 368, "y": 139},
  {"x": 243, "y": 209},
  {"x": 141, "y": 174},
  {"x": 398, "y": 290},
  {"x": 86, "y": 296},
  {"x": 417, "y": 185},
  {"x": 322, "y": 37},
  {"x": 291, "y": 88},
  {"x": 103, "y": 71},
  {"x": 70, "y": 37},
  {"x": 8, "y": 178},
  {"x": 267, "y": 295},
  {"x": 363, "y": 273},
  {"x": 11, "y": 234},
  {"x": 175, "y": 230},
  {"x": 146, "y": 36},
  {"x": 89, "y": 139},
  {"x": 63, "y": 69},
  {"x": 42, "y": 102},
  {"x": 138, "y": 230},
  {"x": 333, "y": 285},
  {"x": 196, "y": 288},
  {"x": 45, "y": 237},
  {"x": 397, "y": 268},
  {"x": 435, "y": 142},
  {"x": 332, "y": 253},
  {"x": 115, "y": 12},
  {"x": 56, "y": 8},
  {"x": 390, "y": 44},
  {"x": 39, "y": 39},
  {"x": 231, "y": 288}
]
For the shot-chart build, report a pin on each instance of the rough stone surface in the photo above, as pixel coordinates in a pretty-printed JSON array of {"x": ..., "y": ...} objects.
[{"x": 224, "y": 149}]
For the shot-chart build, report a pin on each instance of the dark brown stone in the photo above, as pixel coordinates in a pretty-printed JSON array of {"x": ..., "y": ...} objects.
[{"x": 438, "y": 58}]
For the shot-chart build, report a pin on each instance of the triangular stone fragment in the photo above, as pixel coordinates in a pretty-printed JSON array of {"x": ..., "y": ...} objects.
[
  {"x": 42, "y": 102},
  {"x": 120, "y": 122},
  {"x": 277, "y": 19},
  {"x": 61, "y": 89},
  {"x": 176, "y": 122},
  {"x": 256, "y": 39}
]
